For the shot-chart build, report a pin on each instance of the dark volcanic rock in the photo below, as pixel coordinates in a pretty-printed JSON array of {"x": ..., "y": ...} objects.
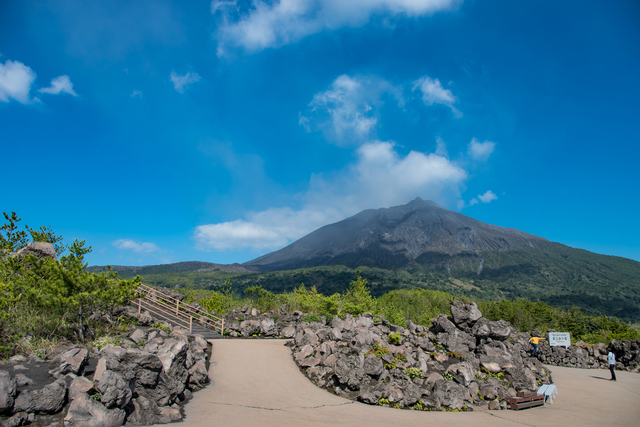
[
  {"x": 447, "y": 366},
  {"x": 48, "y": 400},
  {"x": 7, "y": 391},
  {"x": 86, "y": 412}
]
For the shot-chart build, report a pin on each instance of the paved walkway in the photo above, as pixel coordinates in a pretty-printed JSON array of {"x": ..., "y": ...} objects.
[{"x": 256, "y": 383}]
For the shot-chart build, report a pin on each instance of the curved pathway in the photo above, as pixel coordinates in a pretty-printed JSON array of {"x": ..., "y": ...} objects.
[{"x": 256, "y": 383}]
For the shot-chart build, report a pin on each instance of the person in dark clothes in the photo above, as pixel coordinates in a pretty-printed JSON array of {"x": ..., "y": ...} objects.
[{"x": 611, "y": 357}]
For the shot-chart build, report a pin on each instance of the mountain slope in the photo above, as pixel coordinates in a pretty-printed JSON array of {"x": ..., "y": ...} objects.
[
  {"x": 448, "y": 251},
  {"x": 394, "y": 238}
]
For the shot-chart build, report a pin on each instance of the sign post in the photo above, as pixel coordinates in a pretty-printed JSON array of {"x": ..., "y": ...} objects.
[{"x": 559, "y": 338}]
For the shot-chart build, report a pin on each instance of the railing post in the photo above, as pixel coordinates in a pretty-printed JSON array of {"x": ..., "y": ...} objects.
[
  {"x": 177, "y": 302},
  {"x": 190, "y": 323},
  {"x": 222, "y": 328},
  {"x": 139, "y": 305}
]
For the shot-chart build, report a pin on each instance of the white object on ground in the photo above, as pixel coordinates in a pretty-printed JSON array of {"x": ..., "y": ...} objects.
[{"x": 549, "y": 391}]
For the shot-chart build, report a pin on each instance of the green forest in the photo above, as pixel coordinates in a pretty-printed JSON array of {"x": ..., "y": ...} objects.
[
  {"x": 416, "y": 305},
  {"x": 581, "y": 284}
]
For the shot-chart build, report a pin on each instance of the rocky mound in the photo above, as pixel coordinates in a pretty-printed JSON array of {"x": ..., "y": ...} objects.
[
  {"x": 250, "y": 323},
  {"x": 463, "y": 363},
  {"x": 582, "y": 355},
  {"x": 139, "y": 382}
]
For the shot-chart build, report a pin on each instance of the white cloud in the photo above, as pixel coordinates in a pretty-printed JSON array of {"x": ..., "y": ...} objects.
[
  {"x": 347, "y": 111},
  {"x": 441, "y": 148},
  {"x": 473, "y": 201},
  {"x": 181, "y": 83},
  {"x": 268, "y": 229},
  {"x": 137, "y": 247},
  {"x": 15, "y": 81},
  {"x": 59, "y": 85},
  {"x": 481, "y": 151},
  {"x": 380, "y": 177},
  {"x": 434, "y": 93},
  {"x": 487, "y": 197},
  {"x": 278, "y": 23},
  {"x": 136, "y": 93}
]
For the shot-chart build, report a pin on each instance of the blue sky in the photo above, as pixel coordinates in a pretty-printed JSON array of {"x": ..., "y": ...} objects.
[{"x": 165, "y": 131}]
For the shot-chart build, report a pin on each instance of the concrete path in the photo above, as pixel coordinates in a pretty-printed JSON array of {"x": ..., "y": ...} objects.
[{"x": 256, "y": 383}]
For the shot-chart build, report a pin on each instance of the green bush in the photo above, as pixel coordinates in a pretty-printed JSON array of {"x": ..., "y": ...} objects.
[
  {"x": 311, "y": 318},
  {"x": 102, "y": 342},
  {"x": 378, "y": 351},
  {"x": 395, "y": 339},
  {"x": 417, "y": 305},
  {"x": 161, "y": 326},
  {"x": 414, "y": 373},
  {"x": 221, "y": 301}
]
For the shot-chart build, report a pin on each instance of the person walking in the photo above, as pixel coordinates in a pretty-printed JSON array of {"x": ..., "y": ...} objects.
[
  {"x": 612, "y": 364},
  {"x": 535, "y": 341}
]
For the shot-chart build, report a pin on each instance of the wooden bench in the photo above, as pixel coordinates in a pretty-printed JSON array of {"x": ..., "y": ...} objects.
[
  {"x": 526, "y": 399},
  {"x": 549, "y": 391}
]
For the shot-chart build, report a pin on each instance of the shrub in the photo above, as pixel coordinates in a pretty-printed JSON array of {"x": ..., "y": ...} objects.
[
  {"x": 395, "y": 339},
  {"x": 391, "y": 365},
  {"x": 221, "y": 301},
  {"x": 455, "y": 355},
  {"x": 417, "y": 305},
  {"x": 102, "y": 342},
  {"x": 414, "y": 372},
  {"x": 162, "y": 326},
  {"x": 378, "y": 351},
  {"x": 311, "y": 318}
]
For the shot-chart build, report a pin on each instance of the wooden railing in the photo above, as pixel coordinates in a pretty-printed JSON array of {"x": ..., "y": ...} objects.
[{"x": 175, "y": 311}]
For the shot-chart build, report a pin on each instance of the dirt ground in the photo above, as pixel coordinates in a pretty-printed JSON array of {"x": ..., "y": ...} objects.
[{"x": 256, "y": 382}]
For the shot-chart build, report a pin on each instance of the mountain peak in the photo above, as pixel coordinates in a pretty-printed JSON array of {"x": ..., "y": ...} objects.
[
  {"x": 420, "y": 202},
  {"x": 395, "y": 237}
]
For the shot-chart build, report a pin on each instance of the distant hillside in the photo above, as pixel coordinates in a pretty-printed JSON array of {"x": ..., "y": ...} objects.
[
  {"x": 126, "y": 271},
  {"x": 557, "y": 285}
]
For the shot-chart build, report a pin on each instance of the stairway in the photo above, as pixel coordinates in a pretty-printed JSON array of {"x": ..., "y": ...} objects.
[{"x": 168, "y": 309}]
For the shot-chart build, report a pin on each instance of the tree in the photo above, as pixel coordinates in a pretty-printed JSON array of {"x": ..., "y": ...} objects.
[
  {"x": 57, "y": 288},
  {"x": 12, "y": 239},
  {"x": 358, "y": 299}
]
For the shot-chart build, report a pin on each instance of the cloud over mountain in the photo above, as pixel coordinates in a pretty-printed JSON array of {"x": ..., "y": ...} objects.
[{"x": 380, "y": 176}]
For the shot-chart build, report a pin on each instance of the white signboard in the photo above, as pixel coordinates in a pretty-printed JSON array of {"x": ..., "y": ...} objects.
[{"x": 559, "y": 338}]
